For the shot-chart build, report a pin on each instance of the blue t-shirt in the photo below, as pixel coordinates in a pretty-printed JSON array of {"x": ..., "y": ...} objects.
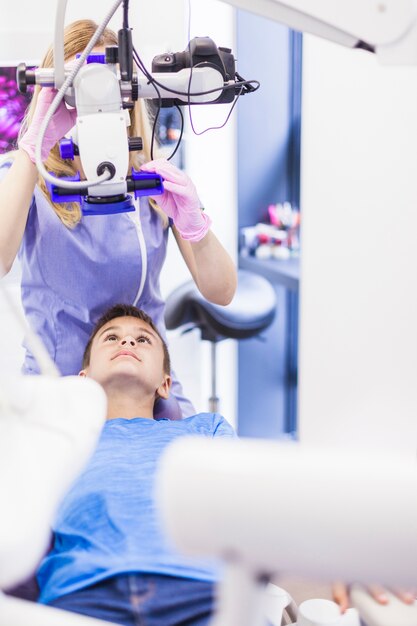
[{"x": 108, "y": 523}]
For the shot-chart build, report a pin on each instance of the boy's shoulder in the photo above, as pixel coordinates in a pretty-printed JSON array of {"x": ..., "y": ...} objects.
[{"x": 212, "y": 424}]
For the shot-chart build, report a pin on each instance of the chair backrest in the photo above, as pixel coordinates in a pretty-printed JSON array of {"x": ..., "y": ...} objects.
[{"x": 251, "y": 311}]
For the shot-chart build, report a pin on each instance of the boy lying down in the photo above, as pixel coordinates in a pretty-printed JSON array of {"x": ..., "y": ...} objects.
[{"x": 110, "y": 558}]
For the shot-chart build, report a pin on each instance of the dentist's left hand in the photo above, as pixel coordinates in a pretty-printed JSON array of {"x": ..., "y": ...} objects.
[
  {"x": 180, "y": 200},
  {"x": 62, "y": 121}
]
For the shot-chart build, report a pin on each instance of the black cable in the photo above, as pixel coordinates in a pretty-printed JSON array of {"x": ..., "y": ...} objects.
[
  {"x": 159, "y": 106},
  {"x": 154, "y": 125},
  {"x": 227, "y": 117},
  {"x": 125, "y": 13},
  {"x": 147, "y": 75},
  {"x": 154, "y": 82},
  {"x": 213, "y": 127},
  {"x": 238, "y": 83},
  {"x": 246, "y": 86},
  {"x": 142, "y": 67},
  {"x": 181, "y": 133}
]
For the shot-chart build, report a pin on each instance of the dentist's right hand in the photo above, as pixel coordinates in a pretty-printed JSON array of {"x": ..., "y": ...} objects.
[{"x": 61, "y": 122}]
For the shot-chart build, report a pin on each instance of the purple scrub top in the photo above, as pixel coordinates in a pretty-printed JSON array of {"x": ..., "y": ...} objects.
[{"x": 70, "y": 277}]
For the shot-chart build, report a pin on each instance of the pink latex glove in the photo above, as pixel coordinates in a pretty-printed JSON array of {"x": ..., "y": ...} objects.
[
  {"x": 180, "y": 200},
  {"x": 62, "y": 121}
]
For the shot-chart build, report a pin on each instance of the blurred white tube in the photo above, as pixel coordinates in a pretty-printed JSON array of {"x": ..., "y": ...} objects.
[
  {"x": 49, "y": 428},
  {"x": 285, "y": 508}
]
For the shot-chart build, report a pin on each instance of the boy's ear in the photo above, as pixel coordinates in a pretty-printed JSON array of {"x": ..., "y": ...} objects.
[
  {"x": 164, "y": 387},
  {"x": 83, "y": 373}
]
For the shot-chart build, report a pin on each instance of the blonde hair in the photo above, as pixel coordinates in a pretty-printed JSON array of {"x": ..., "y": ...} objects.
[{"x": 76, "y": 37}]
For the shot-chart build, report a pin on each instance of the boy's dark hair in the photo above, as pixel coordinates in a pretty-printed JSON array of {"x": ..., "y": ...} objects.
[{"x": 125, "y": 310}]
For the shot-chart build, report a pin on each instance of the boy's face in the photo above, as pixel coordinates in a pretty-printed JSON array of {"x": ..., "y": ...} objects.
[{"x": 126, "y": 348}]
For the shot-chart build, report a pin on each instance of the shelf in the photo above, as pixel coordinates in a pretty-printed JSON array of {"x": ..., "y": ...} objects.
[{"x": 285, "y": 273}]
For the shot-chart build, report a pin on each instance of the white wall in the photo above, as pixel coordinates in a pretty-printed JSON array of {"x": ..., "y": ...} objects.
[
  {"x": 27, "y": 28},
  {"x": 210, "y": 159},
  {"x": 358, "y": 356}
]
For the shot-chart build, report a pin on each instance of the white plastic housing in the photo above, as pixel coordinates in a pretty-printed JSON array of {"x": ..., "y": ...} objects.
[
  {"x": 48, "y": 432},
  {"x": 103, "y": 138},
  {"x": 101, "y": 125},
  {"x": 388, "y": 25},
  {"x": 284, "y": 508},
  {"x": 198, "y": 80},
  {"x": 97, "y": 90}
]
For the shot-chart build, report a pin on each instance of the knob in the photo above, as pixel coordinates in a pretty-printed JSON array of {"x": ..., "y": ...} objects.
[
  {"x": 135, "y": 143},
  {"x": 112, "y": 54},
  {"x": 67, "y": 149}
]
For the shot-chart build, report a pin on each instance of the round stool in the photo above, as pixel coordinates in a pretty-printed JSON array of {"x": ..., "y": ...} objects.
[{"x": 251, "y": 311}]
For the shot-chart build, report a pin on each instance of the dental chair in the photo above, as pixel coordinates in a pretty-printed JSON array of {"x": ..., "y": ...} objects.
[{"x": 251, "y": 311}]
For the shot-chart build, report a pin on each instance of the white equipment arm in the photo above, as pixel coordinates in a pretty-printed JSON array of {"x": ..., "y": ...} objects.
[
  {"x": 279, "y": 507},
  {"x": 266, "y": 508},
  {"x": 388, "y": 27}
]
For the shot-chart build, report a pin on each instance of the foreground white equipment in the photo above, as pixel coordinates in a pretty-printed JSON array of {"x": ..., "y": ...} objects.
[
  {"x": 48, "y": 430},
  {"x": 388, "y": 27},
  {"x": 266, "y": 508},
  {"x": 14, "y": 612},
  {"x": 49, "y": 427}
]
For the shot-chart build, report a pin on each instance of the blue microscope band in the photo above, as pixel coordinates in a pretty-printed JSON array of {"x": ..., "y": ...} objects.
[
  {"x": 107, "y": 208},
  {"x": 141, "y": 183},
  {"x": 146, "y": 183},
  {"x": 94, "y": 57},
  {"x": 59, "y": 194},
  {"x": 66, "y": 148}
]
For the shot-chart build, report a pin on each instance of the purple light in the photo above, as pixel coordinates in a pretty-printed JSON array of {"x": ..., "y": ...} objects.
[{"x": 13, "y": 105}]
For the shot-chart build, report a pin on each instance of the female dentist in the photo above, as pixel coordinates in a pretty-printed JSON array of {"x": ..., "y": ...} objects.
[{"x": 75, "y": 268}]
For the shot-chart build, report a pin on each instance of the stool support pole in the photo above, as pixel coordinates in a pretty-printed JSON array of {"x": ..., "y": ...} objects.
[{"x": 214, "y": 399}]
